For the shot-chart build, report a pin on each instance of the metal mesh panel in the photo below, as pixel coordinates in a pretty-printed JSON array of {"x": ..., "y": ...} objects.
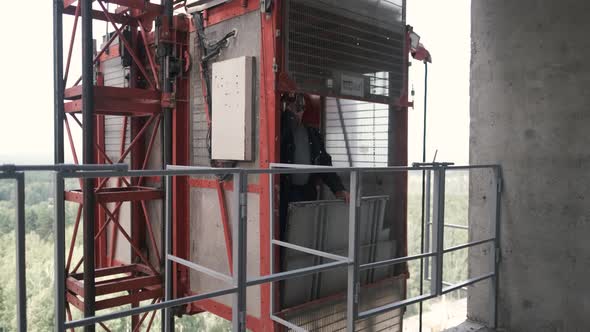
[
  {"x": 114, "y": 75},
  {"x": 356, "y": 133},
  {"x": 347, "y": 48},
  {"x": 330, "y": 315}
]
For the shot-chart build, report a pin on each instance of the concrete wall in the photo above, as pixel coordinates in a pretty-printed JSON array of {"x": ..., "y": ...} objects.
[{"x": 530, "y": 100}]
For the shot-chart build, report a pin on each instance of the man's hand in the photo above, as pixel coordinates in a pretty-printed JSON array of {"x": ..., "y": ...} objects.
[{"x": 344, "y": 195}]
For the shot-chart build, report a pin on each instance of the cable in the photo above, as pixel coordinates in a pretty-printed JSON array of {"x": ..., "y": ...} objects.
[
  {"x": 422, "y": 226},
  {"x": 209, "y": 51}
]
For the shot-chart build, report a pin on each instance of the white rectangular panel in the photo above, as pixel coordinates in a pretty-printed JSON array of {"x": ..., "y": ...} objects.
[{"x": 232, "y": 109}]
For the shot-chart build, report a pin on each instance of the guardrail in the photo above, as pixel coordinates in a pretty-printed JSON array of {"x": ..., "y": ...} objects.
[{"x": 239, "y": 281}]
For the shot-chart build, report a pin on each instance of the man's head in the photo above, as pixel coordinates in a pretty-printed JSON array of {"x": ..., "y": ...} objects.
[{"x": 295, "y": 104}]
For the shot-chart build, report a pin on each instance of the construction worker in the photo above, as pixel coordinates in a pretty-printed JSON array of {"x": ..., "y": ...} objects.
[{"x": 302, "y": 144}]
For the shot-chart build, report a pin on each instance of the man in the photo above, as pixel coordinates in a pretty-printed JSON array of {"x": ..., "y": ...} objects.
[{"x": 302, "y": 144}]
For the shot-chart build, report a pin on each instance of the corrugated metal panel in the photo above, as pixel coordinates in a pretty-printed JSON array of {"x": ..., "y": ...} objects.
[
  {"x": 318, "y": 225},
  {"x": 348, "y": 48},
  {"x": 356, "y": 132},
  {"x": 114, "y": 75}
]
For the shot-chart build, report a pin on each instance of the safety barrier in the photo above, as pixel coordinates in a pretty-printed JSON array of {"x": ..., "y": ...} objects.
[{"x": 239, "y": 280}]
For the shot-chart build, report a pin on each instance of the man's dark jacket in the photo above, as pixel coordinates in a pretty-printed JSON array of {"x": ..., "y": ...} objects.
[{"x": 318, "y": 157}]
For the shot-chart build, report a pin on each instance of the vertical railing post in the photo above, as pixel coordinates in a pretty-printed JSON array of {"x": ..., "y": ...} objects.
[
  {"x": 88, "y": 151},
  {"x": 168, "y": 275},
  {"x": 438, "y": 224},
  {"x": 59, "y": 254},
  {"x": 271, "y": 238},
  {"x": 21, "y": 282},
  {"x": 353, "y": 288},
  {"x": 58, "y": 82},
  {"x": 427, "y": 222},
  {"x": 239, "y": 237},
  {"x": 496, "y": 254}
]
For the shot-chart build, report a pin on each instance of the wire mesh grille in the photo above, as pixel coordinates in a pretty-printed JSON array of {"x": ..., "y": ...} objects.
[
  {"x": 346, "y": 48},
  {"x": 357, "y": 133},
  {"x": 114, "y": 75}
]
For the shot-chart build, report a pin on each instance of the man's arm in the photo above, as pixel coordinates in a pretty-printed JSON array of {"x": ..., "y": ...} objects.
[{"x": 332, "y": 180}]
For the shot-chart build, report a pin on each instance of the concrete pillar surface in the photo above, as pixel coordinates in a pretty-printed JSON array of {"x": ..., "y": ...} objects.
[{"x": 530, "y": 112}]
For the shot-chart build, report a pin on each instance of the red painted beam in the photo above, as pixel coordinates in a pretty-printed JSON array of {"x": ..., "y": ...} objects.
[
  {"x": 229, "y": 10},
  {"x": 75, "y": 301},
  {"x": 138, "y": 4},
  {"x": 68, "y": 3},
  {"x": 271, "y": 48},
  {"x": 111, "y": 271},
  {"x": 130, "y": 4},
  {"x": 121, "y": 107},
  {"x": 100, "y": 15},
  {"x": 128, "y": 194},
  {"x": 75, "y": 286},
  {"x": 181, "y": 125},
  {"x": 129, "y": 284},
  {"x": 115, "y": 93},
  {"x": 129, "y": 299}
]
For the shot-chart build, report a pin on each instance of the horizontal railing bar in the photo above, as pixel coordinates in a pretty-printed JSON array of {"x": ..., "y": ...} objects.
[
  {"x": 295, "y": 273},
  {"x": 334, "y": 201},
  {"x": 456, "y": 226},
  {"x": 200, "y": 268},
  {"x": 310, "y": 251},
  {"x": 287, "y": 324},
  {"x": 190, "y": 171},
  {"x": 396, "y": 261},
  {"x": 467, "y": 283},
  {"x": 467, "y": 245},
  {"x": 296, "y": 166},
  {"x": 144, "y": 173},
  {"x": 464, "y": 167},
  {"x": 111, "y": 170},
  {"x": 64, "y": 167},
  {"x": 147, "y": 308},
  {"x": 395, "y": 305},
  {"x": 453, "y": 226},
  {"x": 221, "y": 171}
]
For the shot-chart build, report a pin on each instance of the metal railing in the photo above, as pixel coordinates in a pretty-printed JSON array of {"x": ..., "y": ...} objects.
[{"x": 239, "y": 281}]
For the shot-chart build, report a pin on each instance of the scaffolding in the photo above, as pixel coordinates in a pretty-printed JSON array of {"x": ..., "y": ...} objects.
[{"x": 153, "y": 98}]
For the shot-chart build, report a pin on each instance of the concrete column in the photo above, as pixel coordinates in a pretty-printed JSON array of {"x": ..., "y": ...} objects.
[{"x": 530, "y": 112}]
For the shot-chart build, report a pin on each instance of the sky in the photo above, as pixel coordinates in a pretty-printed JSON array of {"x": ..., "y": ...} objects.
[
  {"x": 444, "y": 28},
  {"x": 26, "y": 87}
]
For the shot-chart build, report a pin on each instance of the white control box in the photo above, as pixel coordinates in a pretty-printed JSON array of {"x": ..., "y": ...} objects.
[{"x": 231, "y": 121}]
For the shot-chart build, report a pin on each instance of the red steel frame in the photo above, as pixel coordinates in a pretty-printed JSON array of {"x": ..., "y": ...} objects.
[{"x": 140, "y": 109}]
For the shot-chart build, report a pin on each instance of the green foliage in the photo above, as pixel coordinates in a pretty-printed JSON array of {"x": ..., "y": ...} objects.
[{"x": 455, "y": 267}]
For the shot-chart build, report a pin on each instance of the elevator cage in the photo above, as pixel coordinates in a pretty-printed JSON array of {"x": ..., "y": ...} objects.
[{"x": 200, "y": 83}]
